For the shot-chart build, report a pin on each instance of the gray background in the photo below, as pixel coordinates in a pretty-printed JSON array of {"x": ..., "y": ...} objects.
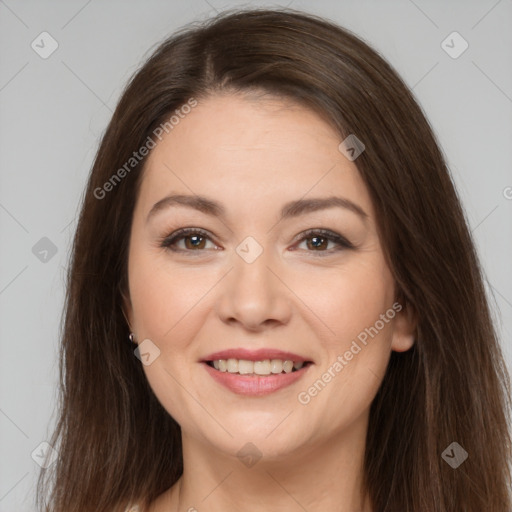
[{"x": 54, "y": 110}]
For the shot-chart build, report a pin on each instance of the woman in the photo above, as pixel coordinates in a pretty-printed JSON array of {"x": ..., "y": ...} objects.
[{"x": 271, "y": 223}]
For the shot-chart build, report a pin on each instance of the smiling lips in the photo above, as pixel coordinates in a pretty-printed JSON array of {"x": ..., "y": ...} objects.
[{"x": 257, "y": 372}]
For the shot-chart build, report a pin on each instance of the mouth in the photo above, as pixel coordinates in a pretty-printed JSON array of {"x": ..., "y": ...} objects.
[
  {"x": 255, "y": 373},
  {"x": 264, "y": 367}
]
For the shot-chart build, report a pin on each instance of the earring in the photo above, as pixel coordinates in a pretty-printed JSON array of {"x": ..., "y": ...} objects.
[{"x": 131, "y": 337}]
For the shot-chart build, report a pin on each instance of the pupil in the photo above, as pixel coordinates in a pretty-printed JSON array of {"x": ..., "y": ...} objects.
[
  {"x": 195, "y": 240},
  {"x": 317, "y": 241}
]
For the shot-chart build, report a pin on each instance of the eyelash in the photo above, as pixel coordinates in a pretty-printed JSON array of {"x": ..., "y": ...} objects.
[{"x": 168, "y": 241}]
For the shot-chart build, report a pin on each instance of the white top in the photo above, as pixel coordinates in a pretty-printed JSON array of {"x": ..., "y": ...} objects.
[{"x": 133, "y": 508}]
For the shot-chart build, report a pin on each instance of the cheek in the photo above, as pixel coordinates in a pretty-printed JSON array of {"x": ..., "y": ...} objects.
[
  {"x": 349, "y": 299},
  {"x": 166, "y": 306},
  {"x": 164, "y": 300},
  {"x": 357, "y": 354}
]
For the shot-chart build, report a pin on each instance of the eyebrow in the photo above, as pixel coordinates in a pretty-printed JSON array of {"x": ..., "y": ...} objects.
[{"x": 289, "y": 210}]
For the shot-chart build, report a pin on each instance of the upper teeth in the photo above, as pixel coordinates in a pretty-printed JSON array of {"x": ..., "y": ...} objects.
[{"x": 265, "y": 367}]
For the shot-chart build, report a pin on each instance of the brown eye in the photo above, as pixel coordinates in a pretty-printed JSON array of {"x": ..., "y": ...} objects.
[
  {"x": 194, "y": 240},
  {"x": 318, "y": 241}
]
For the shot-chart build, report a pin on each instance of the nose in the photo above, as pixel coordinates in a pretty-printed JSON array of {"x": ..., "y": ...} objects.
[{"x": 254, "y": 295}]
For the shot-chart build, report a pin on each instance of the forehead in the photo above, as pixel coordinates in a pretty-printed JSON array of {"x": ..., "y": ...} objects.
[{"x": 246, "y": 148}]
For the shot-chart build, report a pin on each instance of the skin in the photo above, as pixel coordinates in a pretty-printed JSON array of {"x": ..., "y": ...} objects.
[{"x": 253, "y": 155}]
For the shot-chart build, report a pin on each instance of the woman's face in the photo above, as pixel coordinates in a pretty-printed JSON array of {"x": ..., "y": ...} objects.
[{"x": 249, "y": 289}]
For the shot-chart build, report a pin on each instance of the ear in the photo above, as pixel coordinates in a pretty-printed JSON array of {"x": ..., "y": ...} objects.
[{"x": 406, "y": 322}]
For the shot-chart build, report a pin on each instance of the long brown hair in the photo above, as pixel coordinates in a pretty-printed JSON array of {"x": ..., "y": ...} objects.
[{"x": 117, "y": 444}]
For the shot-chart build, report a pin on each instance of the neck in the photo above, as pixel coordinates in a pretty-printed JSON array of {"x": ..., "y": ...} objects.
[{"x": 323, "y": 476}]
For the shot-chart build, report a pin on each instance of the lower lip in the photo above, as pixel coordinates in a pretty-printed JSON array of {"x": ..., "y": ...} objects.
[{"x": 255, "y": 385}]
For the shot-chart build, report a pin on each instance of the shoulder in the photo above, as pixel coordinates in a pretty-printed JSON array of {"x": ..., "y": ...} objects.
[{"x": 133, "y": 508}]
